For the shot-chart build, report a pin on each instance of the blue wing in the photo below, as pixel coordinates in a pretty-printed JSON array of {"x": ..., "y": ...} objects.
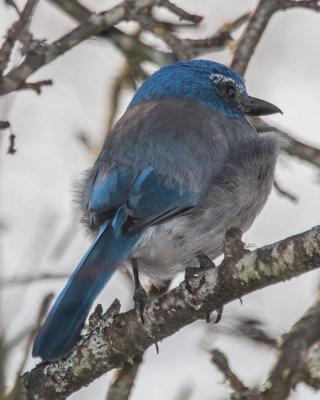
[
  {"x": 153, "y": 201},
  {"x": 127, "y": 207}
]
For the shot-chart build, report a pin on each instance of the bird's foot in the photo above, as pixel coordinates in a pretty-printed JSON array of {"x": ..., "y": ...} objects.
[
  {"x": 190, "y": 272},
  {"x": 219, "y": 315},
  {"x": 140, "y": 296}
]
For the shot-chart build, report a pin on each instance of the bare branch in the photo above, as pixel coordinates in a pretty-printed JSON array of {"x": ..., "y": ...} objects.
[
  {"x": 310, "y": 372},
  {"x": 11, "y": 149},
  {"x": 285, "y": 374},
  {"x": 4, "y": 124},
  {"x": 43, "y": 309},
  {"x": 221, "y": 361},
  {"x": 123, "y": 380},
  {"x": 183, "y": 49},
  {"x": 16, "y": 32},
  {"x": 284, "y": 192},
  {"x": 36, "y": 86},
  {"x": 22, "y": 280},
  {"x": 257, "y": 25},
  {"x": 108, "y": 342},
  {"x": 41, "y": 54},
  {"x": 13, "y": 4},
  {"x": 296, "y": 148},
  {"x": 246, "y": 327},
  {"x": 131, "y": 46},
  {"x": 196, "y": 19}
]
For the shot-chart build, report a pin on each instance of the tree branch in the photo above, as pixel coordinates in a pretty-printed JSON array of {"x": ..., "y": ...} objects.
[
  {"x": 16, "y": 32},
  {"x": 112, "y": 338},
  {"x": 123, "y": 380},
  {"x": 256, "y": 26},
  {"x": 41, "y": 54},
  {"x": 296, "y": 148},
  {"x": 286, "y": 372}
]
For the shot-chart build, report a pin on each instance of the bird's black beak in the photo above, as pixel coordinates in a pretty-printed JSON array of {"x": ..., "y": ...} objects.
[{"x": 254, "y": 106}]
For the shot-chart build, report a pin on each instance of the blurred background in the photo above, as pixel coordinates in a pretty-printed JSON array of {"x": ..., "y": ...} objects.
[{"x": 59, "y": 134}]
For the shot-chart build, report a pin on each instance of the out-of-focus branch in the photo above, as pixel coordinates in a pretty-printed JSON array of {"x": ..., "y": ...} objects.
[
  {"x": 244, "y": 327},
  {"x": 310, "y": 372},
  {"x": 184, "y": 15},
  {"x": 243, "y": 53},
  {"x": 296, "y": 148},
  {"x": 43, "y": 309},
  {"x": 257, "y": 24},
  {"x": 12, "y": 143},
  {"x": 113, "y": 338},
  {"x": 284, "y": 192},
  {"x": 40, "y": 53},
  {"x": 183, "y": 49},
  {"x": 16, "y": 32},
  {"x": 221, "y": 361},
  {"x": 285, "y": 374},
  {"x": 123, "y": 380},
  {"x": 4, "y": 124},
  {"x": 129, "y": 45},
  {"x": 25, "y": 279}
]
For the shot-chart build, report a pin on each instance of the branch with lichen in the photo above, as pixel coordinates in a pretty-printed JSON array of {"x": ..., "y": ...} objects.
[{"x": 112, "y": 338}]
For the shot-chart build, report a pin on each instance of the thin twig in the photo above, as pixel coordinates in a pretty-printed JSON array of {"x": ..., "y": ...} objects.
[
  {"x": 184, "y": 15},
  {"x": 284, "y": 192},
  {"x": 221, "y": 361},
  {"x": 16, "y": 32},
  {"x": 4, "y": 124},
  {"x": 43, "y": 309},
  {"x": 22, "y": 280},
  {"x": 36, "y": 86},
  {"x": 295, "y": 148},
  {"x": 12, "y": 149}
]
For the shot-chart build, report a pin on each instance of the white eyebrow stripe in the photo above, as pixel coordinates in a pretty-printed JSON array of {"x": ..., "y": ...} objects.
[{"x": 223, "y": 78}]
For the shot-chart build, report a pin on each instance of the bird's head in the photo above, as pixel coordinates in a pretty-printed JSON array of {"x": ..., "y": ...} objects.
[{"x": 208, "y": 83}]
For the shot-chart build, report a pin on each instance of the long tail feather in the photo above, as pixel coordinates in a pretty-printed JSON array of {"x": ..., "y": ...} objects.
[{"x": 67, "y": 316}]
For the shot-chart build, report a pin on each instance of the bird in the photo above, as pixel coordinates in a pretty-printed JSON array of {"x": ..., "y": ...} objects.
[{"x": 179, "y": 168}]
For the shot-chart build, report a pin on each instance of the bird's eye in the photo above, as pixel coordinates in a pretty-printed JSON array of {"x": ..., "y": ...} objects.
[{"x": 231, "y": 91}]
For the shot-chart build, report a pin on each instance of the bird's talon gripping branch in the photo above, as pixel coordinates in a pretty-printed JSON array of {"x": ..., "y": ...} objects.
[
  {"x": 191, "y": 272},
  {"x": 140, "y": 296},
  {"x": 219, "y": 315}
]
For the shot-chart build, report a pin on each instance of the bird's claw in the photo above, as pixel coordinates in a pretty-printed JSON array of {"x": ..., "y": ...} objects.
[
  {"x": 190, "y": 272},
  {"x": 140, "y": 298}
]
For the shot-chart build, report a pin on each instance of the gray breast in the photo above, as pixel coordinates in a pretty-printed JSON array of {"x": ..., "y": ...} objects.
[{"x": 235, "y": 197}]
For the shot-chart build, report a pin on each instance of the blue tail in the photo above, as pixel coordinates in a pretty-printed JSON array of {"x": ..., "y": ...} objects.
[{"x": 67, "y": 316}]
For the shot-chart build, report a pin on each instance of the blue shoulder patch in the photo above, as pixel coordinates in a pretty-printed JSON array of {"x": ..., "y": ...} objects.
[
  {"x": 150, "y": 196},
  {"x": 111, "y": 192}
]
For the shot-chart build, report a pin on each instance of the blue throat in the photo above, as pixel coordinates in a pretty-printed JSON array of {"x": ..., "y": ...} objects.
[{"x": 190, "y": 81}]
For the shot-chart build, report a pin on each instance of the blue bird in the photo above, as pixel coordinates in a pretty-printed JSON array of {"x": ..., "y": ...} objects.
[{"x": 181, "y": 167}]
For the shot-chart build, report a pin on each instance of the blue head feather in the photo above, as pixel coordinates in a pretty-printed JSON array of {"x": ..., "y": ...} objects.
[{"x": 201, "y": 81}]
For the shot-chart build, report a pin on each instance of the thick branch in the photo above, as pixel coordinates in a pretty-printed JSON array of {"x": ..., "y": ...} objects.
[{"x": 112, "y": 339}]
